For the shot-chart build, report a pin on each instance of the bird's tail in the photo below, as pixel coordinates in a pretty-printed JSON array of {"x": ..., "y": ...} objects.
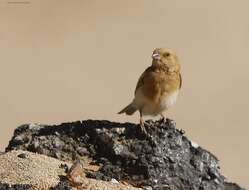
[{"x": 129, "y": 110}]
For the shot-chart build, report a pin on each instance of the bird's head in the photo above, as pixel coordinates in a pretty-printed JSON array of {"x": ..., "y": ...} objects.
[{"x": 166, "y": 58}]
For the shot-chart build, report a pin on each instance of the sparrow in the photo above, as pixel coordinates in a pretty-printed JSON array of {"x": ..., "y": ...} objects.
[{"x": 158, "y": 87}]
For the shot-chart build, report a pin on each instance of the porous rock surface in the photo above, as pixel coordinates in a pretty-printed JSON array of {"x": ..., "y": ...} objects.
[{"x": 164, "y": 159}]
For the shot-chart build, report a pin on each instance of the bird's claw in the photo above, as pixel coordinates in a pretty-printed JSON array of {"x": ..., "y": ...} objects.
[{"x": 142, "y": 127}]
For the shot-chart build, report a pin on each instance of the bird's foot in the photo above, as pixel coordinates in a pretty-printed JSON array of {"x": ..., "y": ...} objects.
[
  {"x": 142, "y": 127},
  {"x": 163, "y": 118}
]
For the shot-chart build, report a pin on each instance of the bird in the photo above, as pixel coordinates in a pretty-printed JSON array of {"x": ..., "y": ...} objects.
[{"x": 158, "y": 87}]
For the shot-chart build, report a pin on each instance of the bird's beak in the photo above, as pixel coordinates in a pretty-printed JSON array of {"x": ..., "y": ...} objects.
[{"x": 156, "y": 56}]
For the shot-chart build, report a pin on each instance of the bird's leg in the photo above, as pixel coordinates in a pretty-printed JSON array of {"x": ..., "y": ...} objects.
[
  {"x": 142, "y": 123},
  {"x": 163, "y": 118}
]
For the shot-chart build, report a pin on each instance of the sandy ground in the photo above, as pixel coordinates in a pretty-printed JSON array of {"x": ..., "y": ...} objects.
[
  {"x": 42, "y": 172},
  {"x": 62, "y": 61},
  {"x": 39, "y": 171}
]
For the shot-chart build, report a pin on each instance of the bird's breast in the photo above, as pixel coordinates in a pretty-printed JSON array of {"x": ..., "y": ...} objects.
[
  {"x": 168, "y": 100},
  {"x": 151, "y": 107}
]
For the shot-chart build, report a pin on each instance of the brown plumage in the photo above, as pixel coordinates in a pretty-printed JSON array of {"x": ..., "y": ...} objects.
[{"x": 158, "y": 87}]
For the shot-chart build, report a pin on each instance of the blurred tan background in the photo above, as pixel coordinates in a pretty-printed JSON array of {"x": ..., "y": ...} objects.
[{"x": 73, "y": 60}]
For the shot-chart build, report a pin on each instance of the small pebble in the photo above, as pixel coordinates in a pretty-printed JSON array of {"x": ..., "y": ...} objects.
[
  {"x": 114, "y": 181},
  {"x": 82, "y": 151},
  {"x": 194, "y": 144},
  {"x": 147, "y": 188},
  {"x": 182, "y": 131},
  {"x": 18, "y": 139},
  {"x": 22, "y": 155},
  {"x": 34, "y": 126}
]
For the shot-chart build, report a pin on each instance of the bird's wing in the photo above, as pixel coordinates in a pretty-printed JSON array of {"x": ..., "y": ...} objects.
[
  {"x": 155, "y": 82},
  {"x": 142, "y": 79},
  {"x": 148, "y": 82}
]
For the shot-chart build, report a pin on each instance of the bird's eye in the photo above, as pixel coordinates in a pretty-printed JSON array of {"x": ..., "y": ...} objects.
[{"x": 166, "y": 54}]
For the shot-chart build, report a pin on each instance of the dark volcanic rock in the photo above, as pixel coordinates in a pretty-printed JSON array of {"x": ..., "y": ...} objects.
[
  {"x": 4, "y": 186},
  {"x": 64, "y": 184},
  {"x": 164, "y": 159}
]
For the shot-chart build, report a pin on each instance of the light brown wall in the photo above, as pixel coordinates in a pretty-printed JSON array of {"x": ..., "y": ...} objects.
[{"x": 72, "y": 60}]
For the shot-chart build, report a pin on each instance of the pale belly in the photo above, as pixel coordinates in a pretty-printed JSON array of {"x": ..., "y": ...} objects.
[{"x": 149, "y": 107}]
